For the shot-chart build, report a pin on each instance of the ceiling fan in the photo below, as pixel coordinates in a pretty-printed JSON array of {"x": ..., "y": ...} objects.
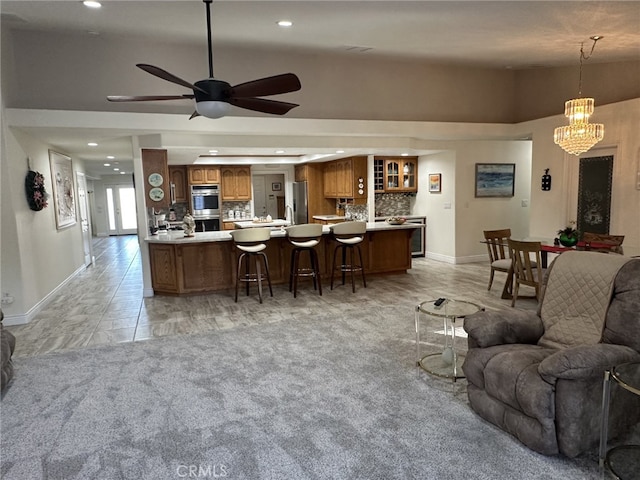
[{"x": 214, "y": 97}]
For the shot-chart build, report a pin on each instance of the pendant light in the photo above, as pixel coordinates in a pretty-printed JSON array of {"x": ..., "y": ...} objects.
[{"x": 580, "y": 135}]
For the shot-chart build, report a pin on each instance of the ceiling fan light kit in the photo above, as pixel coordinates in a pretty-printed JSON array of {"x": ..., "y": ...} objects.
[
  {"x": 213, "y": 98},
  {"x": 580, "y": 135}
]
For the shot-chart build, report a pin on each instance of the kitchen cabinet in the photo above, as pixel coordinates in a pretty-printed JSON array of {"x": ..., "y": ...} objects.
[
  {"x": 330, "y": 180},
  {"x": 156, "y": 178},
  {"x": 346, "y": 178},
  {"x": 235, "y": 183},
  {"x": 395, "y": 174},
  {"x": 178, "y": 179},
  {"x": 203, "y": 175},
  {"x": 301, "y": 173}
]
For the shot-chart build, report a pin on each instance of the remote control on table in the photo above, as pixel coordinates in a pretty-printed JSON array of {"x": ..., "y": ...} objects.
[{"x": 438, "y": 303}]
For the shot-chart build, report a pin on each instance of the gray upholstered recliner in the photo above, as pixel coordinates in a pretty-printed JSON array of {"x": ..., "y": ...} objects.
[
  {"x": 538, "y": 375},
  {"x": 7, "y": 346}
]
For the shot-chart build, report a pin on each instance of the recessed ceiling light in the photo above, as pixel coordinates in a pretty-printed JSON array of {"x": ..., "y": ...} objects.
[
  {"x": 116, "y": 169},
  {"x": 285, "y": 23},
  {"x": 91, "y": 4},
  {"x": 122, "y": 173},
  {"x": 107, "y": 164},
  {"x": 279, "y": 151},
  {"x": 213, "y": 152},
  {"x": 92, "y": 144},
  {"x": 110, "y": 157},
  {"x": 339, "y": 151},
  {"x": 404, "y": 154}
]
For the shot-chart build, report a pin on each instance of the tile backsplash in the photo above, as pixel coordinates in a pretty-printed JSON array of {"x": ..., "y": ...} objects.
[
  {"x": 356, "y": 212},
  {"x": 389, "y": 204}
]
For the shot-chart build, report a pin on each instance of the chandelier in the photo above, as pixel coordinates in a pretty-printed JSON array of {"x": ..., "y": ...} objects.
[{"x": 580, "y": 135}]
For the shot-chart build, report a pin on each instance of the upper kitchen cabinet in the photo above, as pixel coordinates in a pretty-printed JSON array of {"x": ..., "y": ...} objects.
[
  {"x": 156, "y": 178},
  {"x": 178, "y": 179},
  {"x": 235, "y": 183},
  {"x": 302, "y": 173},
  {"x": 346, "y": 178},
  {"x": 395, "y": 174},
  {"x": 203, "y": 175}
]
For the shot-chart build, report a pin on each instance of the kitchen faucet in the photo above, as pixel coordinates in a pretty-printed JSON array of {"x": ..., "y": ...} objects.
[{"x": 288, "y": 214}]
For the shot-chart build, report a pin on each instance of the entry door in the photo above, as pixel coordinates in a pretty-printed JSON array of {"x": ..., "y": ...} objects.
[
  {"x": 121, "y": 210},
  {"x": 85, "y": 220}
]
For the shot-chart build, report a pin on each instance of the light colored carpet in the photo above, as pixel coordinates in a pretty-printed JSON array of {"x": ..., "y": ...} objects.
[{"x": 314, "y": 398}]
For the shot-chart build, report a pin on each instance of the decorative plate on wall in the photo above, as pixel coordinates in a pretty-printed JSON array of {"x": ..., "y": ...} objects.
[
  {"x": 155, "y": 179},
  {"x": 156, "y": 194}
]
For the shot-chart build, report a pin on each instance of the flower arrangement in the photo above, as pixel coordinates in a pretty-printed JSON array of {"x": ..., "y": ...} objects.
[
  {"x": 569, "y": 231},
  {"x": 568, "y": 236},
  {"x": 37, "y": 196}
]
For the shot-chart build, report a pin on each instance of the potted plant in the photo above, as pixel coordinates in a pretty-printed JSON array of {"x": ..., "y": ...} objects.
[{"x": 568, "y": 236}]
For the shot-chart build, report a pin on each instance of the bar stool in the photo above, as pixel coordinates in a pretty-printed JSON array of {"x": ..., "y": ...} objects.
[
  {"x": 304, "y": 238},
  {"x": 348, "y": 235},
  {"x": 251, "y": 242}
]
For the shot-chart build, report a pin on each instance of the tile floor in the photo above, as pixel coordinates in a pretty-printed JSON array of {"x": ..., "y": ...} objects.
[{"x": 104, "y": 304}]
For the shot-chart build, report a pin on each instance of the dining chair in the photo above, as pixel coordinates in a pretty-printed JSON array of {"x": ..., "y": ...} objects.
[
  {"x": 600, "y": 238},
  {"x": 526, "y": 270},
  {"x": 497, "y": 246}
]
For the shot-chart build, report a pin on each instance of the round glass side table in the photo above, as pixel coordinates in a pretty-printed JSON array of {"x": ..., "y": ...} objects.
[
  {"x": 624, "y": 460},
  {"x": 448, "y": 363}
]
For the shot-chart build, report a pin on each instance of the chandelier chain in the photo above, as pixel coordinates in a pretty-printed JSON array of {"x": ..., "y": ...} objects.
[{"x": 585, "y": 57}]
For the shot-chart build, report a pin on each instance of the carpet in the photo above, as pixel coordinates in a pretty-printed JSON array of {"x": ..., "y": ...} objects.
[{"x": 316, "y": 398}]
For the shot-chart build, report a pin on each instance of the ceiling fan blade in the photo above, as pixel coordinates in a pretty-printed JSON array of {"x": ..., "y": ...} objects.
[
  {"x": 194, "y": 115},
  {"x": 169, "y": 77},
  {"x": 262, "y": 87},
  {"x": 146, "y": 98},
  {"x": 263, "y": 105}
]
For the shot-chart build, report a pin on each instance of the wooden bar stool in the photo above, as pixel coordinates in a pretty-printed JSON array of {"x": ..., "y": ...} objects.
[
  {"x": 251, "y": 242},
  {"x": 349, "y": 235},
  {"x": 304, "y": 238}
]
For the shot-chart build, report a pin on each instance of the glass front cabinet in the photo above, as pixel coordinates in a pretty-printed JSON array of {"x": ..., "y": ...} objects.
[{"x": 396, "y": 174}]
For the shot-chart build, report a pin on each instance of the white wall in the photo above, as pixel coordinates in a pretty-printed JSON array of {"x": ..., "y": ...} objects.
[
  {"x": 552, "y": 210},
  {"x": 455, "y": 218},
  {"x": 36, "y": 257}
]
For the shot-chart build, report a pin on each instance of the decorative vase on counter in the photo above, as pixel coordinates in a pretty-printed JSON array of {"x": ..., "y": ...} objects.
[
  {"x": 567, "y": 241},
  {"x": 188, "y": 225}
]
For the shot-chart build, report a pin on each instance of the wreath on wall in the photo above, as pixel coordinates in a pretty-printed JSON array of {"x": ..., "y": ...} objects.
[{"x": 37, "y": 196}]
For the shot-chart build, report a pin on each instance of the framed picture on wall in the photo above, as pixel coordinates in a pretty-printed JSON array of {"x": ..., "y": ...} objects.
[
  {"x": 276, "y": 186},
  {"x": 435, "y": 180},
  {"x": 64, "y": 195},
  {"x": 495, "y": 179}
]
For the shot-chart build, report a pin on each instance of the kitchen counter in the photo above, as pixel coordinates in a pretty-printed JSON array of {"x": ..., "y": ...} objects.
[
  {"x": 252, "y": 224},
  {"x": 329, "y": 218},
  {"x": 207, "y": 262},
  {"x": 178, "y": 237}
]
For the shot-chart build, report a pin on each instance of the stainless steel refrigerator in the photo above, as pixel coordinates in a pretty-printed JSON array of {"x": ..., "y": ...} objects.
[{"x": 300, "y": 205}]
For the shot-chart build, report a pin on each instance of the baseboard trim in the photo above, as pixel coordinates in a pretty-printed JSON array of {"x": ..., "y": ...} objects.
[
  {"x": 22, "y": 319},
  {"x": 456, "y": 260},
  {"x": 147, "y": 292}
]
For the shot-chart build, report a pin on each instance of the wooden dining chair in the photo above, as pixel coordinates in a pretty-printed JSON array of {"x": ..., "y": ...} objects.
[
  {"x": 526, "y": 262},
  {"x": 497, "y": 246},
  {"x": 600, "y": 238}
]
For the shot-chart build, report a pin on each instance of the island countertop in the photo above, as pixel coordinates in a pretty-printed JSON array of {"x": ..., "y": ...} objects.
[
  {"x": 178, "y": 237},
  {"x": 207, "y": 262}
]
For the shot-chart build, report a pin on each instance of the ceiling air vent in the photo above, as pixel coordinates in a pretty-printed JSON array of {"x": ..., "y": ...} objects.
[{"x": 355, "y": 49}]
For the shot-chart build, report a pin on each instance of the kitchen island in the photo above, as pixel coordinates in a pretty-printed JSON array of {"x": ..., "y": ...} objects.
[{"x": 206, "y": 262}]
